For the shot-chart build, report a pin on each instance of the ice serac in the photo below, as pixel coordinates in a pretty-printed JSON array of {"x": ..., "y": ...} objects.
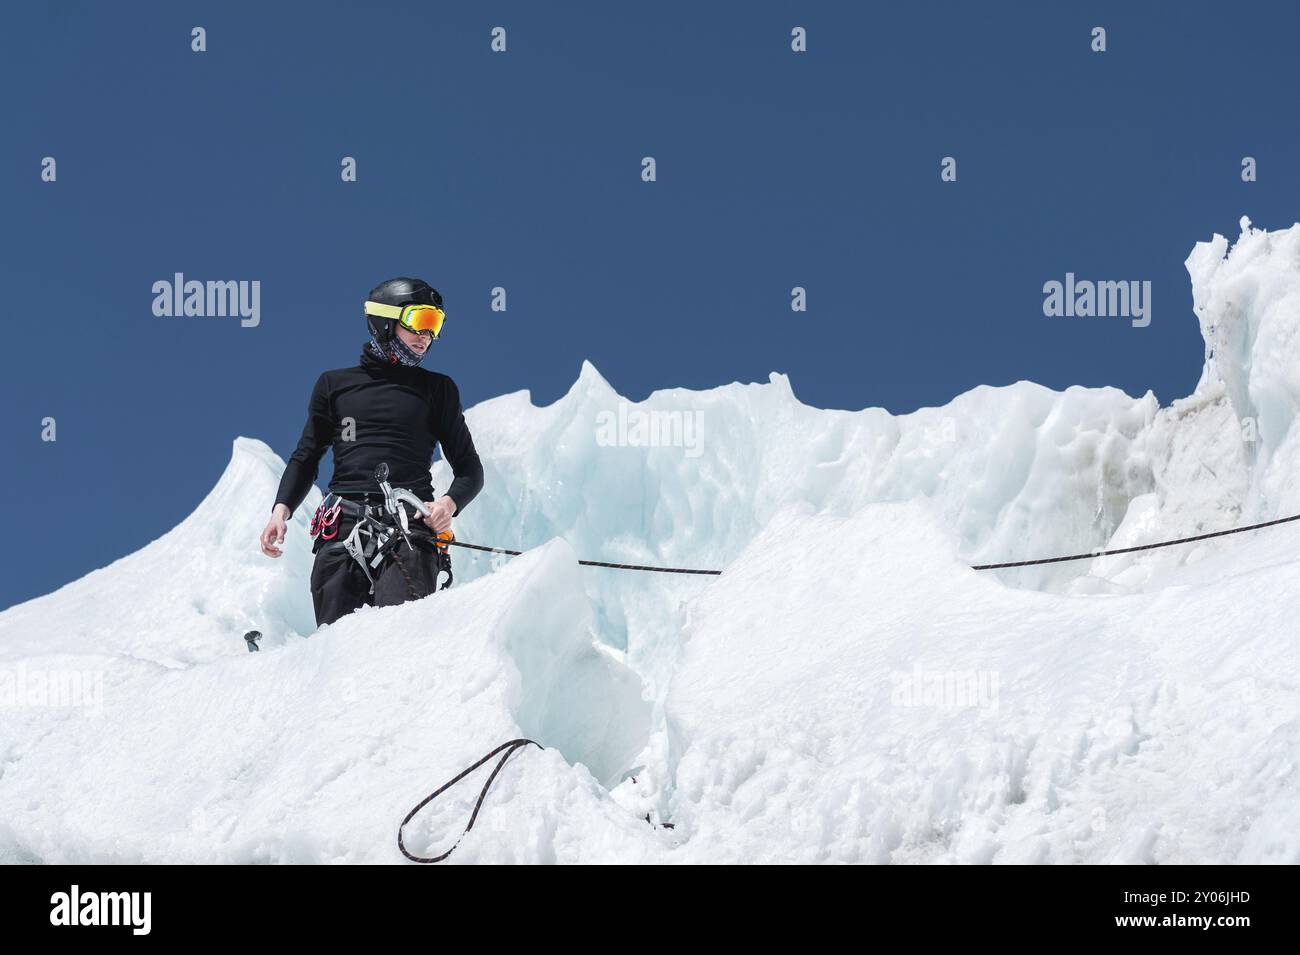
[
  {"x": 575, "y": 693},
  {"x": 1227, "y": 454},
  {"x": 1247, "y": 302},
  {"x": 1017, "y": 472}
]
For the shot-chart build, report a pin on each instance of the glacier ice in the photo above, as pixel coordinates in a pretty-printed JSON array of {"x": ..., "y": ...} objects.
[{"x": 847, "y": 691}]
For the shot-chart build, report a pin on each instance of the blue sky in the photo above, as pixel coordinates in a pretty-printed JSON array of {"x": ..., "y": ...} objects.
[{"x": 522, "y": 170}]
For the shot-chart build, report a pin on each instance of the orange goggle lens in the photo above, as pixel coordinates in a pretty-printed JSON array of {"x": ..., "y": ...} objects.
[{"x": 423, "y": 318}]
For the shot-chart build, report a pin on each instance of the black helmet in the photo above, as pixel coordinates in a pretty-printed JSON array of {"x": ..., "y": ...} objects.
[{"x": 398, "y": 291}]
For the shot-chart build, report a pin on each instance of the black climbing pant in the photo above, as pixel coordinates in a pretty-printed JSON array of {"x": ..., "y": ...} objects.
[{"x": 339, "y": 585}]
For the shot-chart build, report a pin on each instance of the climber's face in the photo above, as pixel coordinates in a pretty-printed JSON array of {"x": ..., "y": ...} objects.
[{"x": 417, "y": 343}]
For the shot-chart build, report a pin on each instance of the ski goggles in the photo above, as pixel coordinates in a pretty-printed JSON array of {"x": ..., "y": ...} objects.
[{"x": 415, "y": 318}]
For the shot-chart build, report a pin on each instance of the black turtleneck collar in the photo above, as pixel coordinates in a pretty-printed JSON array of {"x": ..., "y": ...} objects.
[{"x": 370, "y": 360}]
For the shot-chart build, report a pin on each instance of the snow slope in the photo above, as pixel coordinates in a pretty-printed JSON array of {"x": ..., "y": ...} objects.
[
  {"x": 925, "y": 713},
  {"x": 848, "y": 690}
]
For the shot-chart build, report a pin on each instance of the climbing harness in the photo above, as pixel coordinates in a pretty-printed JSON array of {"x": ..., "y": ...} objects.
[
  {"x": 507, "y": 750},
  {"x": 368, "y": 545},
  {"x": 373, "y": 539},
  {"x": 379, "y": 529}
]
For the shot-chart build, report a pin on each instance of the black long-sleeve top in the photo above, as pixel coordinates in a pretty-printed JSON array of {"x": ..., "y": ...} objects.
[{"x": 373, "y": 412}]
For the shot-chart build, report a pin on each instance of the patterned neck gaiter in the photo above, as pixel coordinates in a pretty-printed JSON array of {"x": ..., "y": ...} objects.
[{"x": 395, "y": 352}]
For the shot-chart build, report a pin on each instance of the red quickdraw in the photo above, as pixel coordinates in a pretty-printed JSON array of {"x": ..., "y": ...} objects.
[{"x": 325, "y": 522}]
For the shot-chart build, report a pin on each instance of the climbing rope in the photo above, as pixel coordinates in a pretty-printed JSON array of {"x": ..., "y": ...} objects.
[
  {"x": 411, "y": 590},
  {"x": 1132, "y": 550},
  {"x": 592, "y": 563},
  {"x": 1014, "y": 563},
  {"x": 507, "y": 750}
]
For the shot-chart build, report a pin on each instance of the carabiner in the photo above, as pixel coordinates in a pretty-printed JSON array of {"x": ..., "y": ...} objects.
[{"x": 329, "y": 525}]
